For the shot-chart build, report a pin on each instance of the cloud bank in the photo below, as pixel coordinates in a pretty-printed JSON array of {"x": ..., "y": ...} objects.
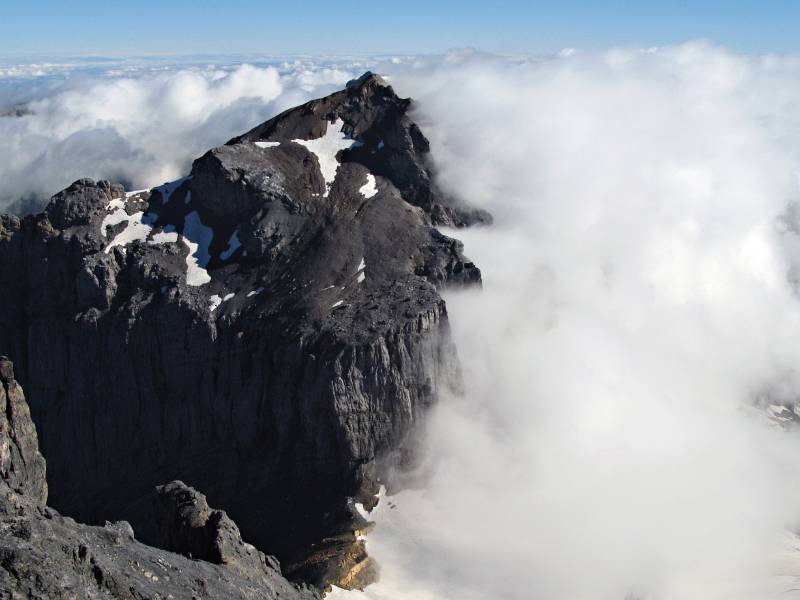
[
  {"x": 638, "y": 303},
  {"x": 136, "y": 125}
]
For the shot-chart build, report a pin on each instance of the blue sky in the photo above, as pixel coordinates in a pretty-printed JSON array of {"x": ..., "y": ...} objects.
[{"x": 345, "y": 26}]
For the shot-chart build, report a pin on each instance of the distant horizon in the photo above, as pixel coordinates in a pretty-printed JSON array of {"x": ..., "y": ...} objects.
[
  {"x": 101, "y": 57},
  {"x": 183, "y": 28}
]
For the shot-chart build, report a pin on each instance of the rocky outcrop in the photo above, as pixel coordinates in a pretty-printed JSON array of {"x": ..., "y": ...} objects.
[
  {"x": 22, "y": 467},
  {"x": 187, "y": 525},
  {"x": 46, "y": 556},
  {"x": 268, "y": 329}
]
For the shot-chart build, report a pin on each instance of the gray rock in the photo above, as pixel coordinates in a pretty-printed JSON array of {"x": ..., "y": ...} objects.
[
  {"x": 290, "y": 397},
  {"x": 45, "y": 556},
  {"x": 187, "y": 525}
]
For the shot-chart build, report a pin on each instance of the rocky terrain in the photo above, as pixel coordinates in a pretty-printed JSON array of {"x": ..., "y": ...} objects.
[
  {"x": 268, "y": 330},
  {"x": 44, "y": 555}
]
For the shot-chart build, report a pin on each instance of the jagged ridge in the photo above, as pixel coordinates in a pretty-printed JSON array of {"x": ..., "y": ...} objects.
[{"x": 265, "y": 329}]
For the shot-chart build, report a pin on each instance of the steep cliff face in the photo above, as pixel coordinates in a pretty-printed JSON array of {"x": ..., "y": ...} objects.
[
  {"x": 45, "y": 556},
  {"x": 265, "y": 329}
]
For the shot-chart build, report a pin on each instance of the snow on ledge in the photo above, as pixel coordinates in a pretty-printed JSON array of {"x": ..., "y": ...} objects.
[
  {"x": 118, "y": 215},
  {"x": 362, "y": 266},
  {"x": 164, "y": 237},
  {"x": 326, "y": 148},
  {"x": 233, "y": 245},
  {"x": 369, "y": 189},
  {"x": 198, "y": 237},
  {"x": 214, "y": 302},
  {"x": 137, "y": 226},
  {"x": 267, "y": 144}
]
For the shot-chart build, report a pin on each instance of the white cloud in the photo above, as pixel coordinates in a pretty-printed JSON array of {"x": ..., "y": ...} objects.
[
  {"x": 141, "y": 127},
  {"x": 636, "y": 303}
]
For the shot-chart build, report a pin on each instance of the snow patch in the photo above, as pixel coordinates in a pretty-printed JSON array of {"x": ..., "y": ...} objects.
[
  {"x": 233, "y": 245},
  {"x": 335, "y": 304},
  {"x": 362, "y": 266},
  {"x": 255, "y": 292},
  {"x": 167, "y": 189},
  {"x": 215, "y": 300},
  {"x": 198, "y": 237},
  {"x": 267, "y": 144},
  {"x": 137, "y": 227},
  {"x": 326, "y": 148},
  {"x": 369, "y": 189},
  {"x": 164, "y": 237},
  {"x": 118, "y": 215}
]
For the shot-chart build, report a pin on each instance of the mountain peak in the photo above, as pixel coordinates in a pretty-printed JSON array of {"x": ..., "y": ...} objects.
[
  {"x": 386, "y": 141},
  {"x": 272, "y": 317},
  {"x": 367, "y": 79}
]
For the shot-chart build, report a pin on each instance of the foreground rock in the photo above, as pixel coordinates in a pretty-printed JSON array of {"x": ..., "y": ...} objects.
[
  {"x": 187, "y": 525},
  {"x": 268, "y": 330},
  {"x": 44, "y": 555}
]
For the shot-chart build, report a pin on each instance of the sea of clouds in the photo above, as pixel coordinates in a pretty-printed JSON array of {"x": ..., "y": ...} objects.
[
  {"x": 639, "y": 310},
  {"x": 639, "y": 299},
  {"x": 139, "y": 122}
]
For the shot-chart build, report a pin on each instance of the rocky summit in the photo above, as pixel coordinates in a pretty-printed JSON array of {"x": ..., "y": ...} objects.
[{"x": 268, "y": 330}]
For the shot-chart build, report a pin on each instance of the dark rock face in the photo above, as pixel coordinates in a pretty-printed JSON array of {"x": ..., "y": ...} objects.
[
  {"x": 268, "y": 329},
  {"x": 45, "y": 556}
]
